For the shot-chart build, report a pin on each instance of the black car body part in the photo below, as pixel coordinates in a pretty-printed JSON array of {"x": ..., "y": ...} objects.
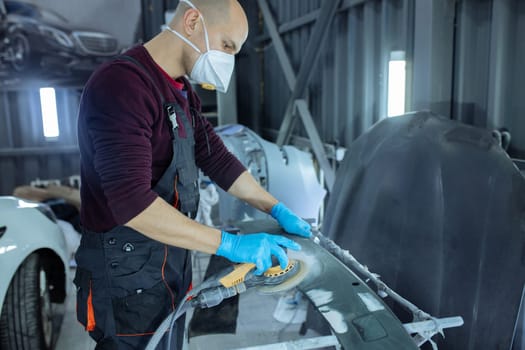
[{"x": 437, "y": 208}]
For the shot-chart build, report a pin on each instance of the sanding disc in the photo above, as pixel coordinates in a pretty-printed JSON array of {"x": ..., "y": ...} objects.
[{"x": 294, "y": 274}]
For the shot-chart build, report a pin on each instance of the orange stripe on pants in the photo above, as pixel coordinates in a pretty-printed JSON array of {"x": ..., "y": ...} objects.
[{"x": 90, "y": 326}]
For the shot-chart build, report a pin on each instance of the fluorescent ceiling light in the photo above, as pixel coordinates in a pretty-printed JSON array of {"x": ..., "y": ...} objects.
[
  {"x": 396, "y": 83},
  {"x": 48, "y": 103}
]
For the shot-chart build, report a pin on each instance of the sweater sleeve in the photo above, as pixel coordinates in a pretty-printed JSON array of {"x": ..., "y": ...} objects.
[
  {"x": 212, "y": 156},
  {"x": 120, "y": 109}
]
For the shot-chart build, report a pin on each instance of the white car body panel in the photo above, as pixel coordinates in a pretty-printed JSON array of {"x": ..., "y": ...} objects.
[{"x": 28, "y": 230}]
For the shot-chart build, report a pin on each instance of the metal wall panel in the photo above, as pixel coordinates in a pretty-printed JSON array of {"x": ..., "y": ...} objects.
[
  {"x": 490, "y": 75},
  {"x": 347, "y": 93},
  {"x": 464, "y": 60},
  {"x": 432, "y": 59},
  {"x": 25, "y": 154}
]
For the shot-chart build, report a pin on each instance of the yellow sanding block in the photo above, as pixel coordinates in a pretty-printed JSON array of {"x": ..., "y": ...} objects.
[
  {"x": 237, "y": 275},
  {"x": 207, "y": 86}
]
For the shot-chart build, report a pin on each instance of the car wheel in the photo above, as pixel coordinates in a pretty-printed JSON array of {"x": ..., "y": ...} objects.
[
  {"x": 27, "y": 314},
  {"x": 20, "y": 51}
]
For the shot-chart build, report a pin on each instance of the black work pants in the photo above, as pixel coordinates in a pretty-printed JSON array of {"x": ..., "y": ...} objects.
[{"x": 127, "y": 284}]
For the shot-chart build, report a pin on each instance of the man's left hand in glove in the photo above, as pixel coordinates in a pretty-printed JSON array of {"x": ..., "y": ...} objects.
[{"x": 290, "y": 222}]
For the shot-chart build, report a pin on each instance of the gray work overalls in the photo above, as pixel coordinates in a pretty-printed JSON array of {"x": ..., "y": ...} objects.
[{"x": 128, "y": 283}]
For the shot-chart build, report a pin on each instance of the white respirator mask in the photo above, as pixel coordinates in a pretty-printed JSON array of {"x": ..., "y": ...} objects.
[{"x": 213, "y": 67}]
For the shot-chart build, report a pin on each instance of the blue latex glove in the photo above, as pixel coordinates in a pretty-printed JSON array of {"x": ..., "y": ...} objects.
[
  {"x": 289, "y": 221},
  {"x": 256, "y": 248}
]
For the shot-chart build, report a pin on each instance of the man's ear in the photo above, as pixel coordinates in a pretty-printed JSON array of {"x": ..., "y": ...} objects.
[{"x": 191, "y": 20}]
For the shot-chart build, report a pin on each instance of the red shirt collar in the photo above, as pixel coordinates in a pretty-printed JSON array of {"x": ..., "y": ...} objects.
[{"x": 179, "y": 85}]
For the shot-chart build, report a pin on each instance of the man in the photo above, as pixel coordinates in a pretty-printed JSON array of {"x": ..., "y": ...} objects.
[
  {"x": 70, "y": 195},
  {"x": 141, "y": 139}
]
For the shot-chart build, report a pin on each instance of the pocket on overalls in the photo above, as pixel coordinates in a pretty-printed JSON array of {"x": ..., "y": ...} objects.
[
  {"x": 85, "y": 310},
  {"x": 135, "y": 270},
  {"x": 127, "y": 266},
  {"x": 143, "y": 312},
  {"x": 140, "y": 297}
]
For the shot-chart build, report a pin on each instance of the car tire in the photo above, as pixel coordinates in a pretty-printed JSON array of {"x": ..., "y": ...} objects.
[{"x": 26, "y": 321}]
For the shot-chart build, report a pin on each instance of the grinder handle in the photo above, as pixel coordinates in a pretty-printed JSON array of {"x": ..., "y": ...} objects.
[{"x": 237, "y": 276}]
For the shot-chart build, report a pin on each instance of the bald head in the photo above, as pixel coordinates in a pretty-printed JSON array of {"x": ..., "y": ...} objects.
[
  {"x": 225, "y": 21},
  {"x": 213, "y": 10}
]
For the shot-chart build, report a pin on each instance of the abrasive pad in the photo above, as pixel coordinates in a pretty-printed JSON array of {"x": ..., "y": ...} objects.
[{"x": 278, "y": 280}]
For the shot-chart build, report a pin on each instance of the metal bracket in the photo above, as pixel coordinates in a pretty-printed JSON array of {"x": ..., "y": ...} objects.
[
  {"x": 310, "y": 58},
  {"x": 425, "y": 330},
  {"x": 298, "y": 84},
  {"x": 317, "y": 143}
]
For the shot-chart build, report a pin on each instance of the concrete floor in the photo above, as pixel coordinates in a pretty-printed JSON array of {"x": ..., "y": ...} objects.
[{"x": 255, "y": 325}]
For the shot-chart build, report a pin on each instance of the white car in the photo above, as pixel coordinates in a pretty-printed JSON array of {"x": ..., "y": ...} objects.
[{"x": 33, "y": 274}]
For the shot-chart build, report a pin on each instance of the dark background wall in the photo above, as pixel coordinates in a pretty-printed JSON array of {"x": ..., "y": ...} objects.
[
  {"x": 349, "y": 80},
  {"x": 489, "y": 75},
  {"x": 25, "y": 154},
  {"x": 464, "y": 60}
]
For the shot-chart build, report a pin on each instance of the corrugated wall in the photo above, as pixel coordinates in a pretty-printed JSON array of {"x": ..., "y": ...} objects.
[
  {"x": 489, "y": 82},
  {"x": 464, "y": 60},
  {"x": 25, "y": 154},
  {"x": 347, "y": 92}
]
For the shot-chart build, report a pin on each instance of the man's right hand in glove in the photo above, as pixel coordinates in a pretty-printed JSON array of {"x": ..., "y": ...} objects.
[{"x": 256, "y": 248}]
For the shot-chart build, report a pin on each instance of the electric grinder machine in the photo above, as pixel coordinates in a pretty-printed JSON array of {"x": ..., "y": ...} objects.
[{"x": 231, "y": 281}]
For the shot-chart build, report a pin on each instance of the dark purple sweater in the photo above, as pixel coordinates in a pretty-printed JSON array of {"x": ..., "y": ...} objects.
[{"x": 125, "y": 142}]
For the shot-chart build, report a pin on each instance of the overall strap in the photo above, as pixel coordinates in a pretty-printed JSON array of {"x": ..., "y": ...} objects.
[
  {"x": 179, "y": 183},
  {"x": 145, "y": 71},
  {"x": 171, "y": 112}
]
